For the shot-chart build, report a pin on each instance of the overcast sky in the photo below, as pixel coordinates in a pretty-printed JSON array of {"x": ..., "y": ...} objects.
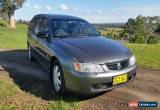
[{"x": 95, "y": 11}]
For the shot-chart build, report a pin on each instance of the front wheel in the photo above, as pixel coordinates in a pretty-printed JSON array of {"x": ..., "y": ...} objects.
[{"x": 58, "y": 79}]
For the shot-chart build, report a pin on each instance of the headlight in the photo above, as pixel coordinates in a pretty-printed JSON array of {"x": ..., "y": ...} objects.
[
  {"x": 132, "y": 61},
  {"x": 88, "y": 67}
]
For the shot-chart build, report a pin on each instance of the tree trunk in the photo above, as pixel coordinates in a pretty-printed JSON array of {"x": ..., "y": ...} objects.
[{"x": 11, "y": 22}]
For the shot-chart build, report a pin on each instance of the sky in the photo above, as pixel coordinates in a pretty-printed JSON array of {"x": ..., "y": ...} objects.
[{"x": 95, "y": 11}]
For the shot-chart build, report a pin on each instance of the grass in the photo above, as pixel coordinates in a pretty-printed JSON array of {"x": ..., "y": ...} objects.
[
  {"x": 61, "y": 105},
  {"x": 13, "y": 38},
  {"x": 147, "y": 56},
  {"x": 14, "y": 98},
  {"x": 7, "y": 88}
]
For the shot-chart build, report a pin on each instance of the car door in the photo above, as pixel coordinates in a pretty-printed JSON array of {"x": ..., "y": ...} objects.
[
  {"x": 32, "y": 37},
  {"x": 42, "y": 48},
  {"x": 31, "y": 34}
]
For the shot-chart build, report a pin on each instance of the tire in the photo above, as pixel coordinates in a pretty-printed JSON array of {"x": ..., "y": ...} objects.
[
  {"x": 30, "y": 55},
  {"x": 57, "y": 78}
]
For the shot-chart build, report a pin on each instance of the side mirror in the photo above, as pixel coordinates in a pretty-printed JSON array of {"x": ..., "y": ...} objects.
[{"x": 42, "y": 34}]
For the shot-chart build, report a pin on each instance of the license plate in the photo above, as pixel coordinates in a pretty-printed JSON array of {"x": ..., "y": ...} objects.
[{"x": 120, "y": 79}]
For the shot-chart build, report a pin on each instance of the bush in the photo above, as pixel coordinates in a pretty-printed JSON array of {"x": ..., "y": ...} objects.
[
  {"x": 152, "y": 40},
  {"x": 139, "y": 38},
  {"x": 131, "y": 39},
  {"x": 2, "y": 24}
]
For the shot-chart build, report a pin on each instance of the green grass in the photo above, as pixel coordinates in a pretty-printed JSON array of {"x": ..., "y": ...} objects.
[
  {"x": 69, "y": 104},
  {"x": 7, "y": 88},
  {"x": 13, "y": 38},
  {"x": 147, "y": 56},
  {"x": 13, "y": 98}
]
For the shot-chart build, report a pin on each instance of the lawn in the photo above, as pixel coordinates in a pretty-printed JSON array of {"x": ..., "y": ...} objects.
[
  {"x": 147, "y": 56},
  {"x": 13, "y": 38},
  {"x": 13, "y": 98}
]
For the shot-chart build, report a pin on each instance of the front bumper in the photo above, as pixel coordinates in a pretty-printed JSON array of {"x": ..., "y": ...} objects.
[{"x": 94, "y": 83}]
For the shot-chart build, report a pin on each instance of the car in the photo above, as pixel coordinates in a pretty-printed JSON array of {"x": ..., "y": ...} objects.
[{"x": 77, "y": 57}]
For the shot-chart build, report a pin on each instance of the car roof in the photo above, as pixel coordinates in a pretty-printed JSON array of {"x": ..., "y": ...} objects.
[{"x": 56, "y": 16}]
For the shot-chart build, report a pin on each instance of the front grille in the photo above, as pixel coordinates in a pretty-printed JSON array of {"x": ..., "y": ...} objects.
[{"x": 118, "y": 65}]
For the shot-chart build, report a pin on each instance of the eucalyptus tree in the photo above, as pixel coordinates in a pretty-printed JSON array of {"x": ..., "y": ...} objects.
[{"x": 8, "y": 7}]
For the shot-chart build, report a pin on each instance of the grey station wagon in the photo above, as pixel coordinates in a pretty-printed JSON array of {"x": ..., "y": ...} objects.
[{"x": 77, "y": 57}]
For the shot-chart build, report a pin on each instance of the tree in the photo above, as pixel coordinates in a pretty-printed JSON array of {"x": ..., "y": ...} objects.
[
  {"x": 8, "y": 7},
  {"x": 130, "y": 26},
  {"x": 139, "y": 38},
  {"x": 136, "y": 30},
  {"x": 158, "y": 29}
]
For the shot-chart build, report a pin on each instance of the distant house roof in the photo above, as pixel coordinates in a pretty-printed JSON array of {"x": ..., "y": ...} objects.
[{"x": 56, "y": 16}]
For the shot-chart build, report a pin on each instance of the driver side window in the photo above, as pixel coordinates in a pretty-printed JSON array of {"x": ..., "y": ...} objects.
[
  {"x": 37, "y": 23},
  {"x": 41, "y": 26}
]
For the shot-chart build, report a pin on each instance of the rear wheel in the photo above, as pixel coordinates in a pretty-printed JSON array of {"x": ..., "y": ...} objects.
[
  {"x": 58, "y": 79},
  {"x": 30, "y": 55}
]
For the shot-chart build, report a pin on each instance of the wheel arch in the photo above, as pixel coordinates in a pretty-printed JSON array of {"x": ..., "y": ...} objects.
[{"x": 53, "y": 59}]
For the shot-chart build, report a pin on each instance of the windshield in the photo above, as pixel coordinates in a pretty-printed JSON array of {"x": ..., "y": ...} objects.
[{"x": 73, "y": 28}]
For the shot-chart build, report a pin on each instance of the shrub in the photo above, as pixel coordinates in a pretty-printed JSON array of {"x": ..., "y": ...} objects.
[
  {"x": 2, "y": 24},
  {"x": 131, "y": 39},
  {"x": 152, "y": 40},
  {"x": 139, "y": 38}
]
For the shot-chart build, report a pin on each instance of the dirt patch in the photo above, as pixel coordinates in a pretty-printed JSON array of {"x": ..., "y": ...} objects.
[
  {"x": 23, "y": 100},
  {"x": 146, "y": 87},
  {"x": 32, "y": 79}
]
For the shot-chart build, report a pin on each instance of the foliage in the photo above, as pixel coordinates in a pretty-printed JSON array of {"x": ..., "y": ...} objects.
[
  {"x": 158, "y": 29},
  {"x": 108, "y": 25},
  {"x": 129, "y": 26},
  {"x": 139, "y": 38},
  {"x": 152, "y": 39},
  {"x": 23, "y": 22},
  {"x": 140, "y": 29},
  {"x": 8, "y": 7},
  {"x": 2, "y": 23},
  {"x": 113, "y": 33}
]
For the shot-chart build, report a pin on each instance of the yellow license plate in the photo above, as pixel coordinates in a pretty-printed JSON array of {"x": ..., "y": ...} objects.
[{"x": 120, "y": 79}]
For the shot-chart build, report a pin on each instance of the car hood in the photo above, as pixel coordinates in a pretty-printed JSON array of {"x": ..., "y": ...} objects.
[{"x": 93, "y": 49}]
